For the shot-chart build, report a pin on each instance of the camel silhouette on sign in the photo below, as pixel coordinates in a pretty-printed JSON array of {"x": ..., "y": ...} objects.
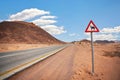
[{"x": 92, "y": 28}]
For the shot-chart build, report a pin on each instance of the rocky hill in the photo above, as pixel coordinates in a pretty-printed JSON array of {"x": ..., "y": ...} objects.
[
  {"x": 104, "y": 41},
  {"x": 13, "y": 32}
]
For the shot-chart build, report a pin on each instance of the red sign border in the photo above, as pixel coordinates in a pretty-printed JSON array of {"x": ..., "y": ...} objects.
[{"x": 93, "y": 25}]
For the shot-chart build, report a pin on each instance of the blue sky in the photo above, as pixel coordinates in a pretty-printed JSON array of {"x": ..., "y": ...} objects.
[{"x": 69, "y": 18}]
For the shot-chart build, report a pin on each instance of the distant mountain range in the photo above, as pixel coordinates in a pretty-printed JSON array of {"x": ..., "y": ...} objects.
[
  {"x": 13, "y": 32},
  {"x": 98, "y": 41},
  {"x": 104, "y": 41}
]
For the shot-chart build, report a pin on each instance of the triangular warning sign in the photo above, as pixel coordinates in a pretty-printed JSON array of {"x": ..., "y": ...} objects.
[{"x": 91, "y": 27}]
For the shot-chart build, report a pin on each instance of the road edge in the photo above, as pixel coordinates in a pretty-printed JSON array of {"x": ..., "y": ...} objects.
[{"x": 28, "y": 64}]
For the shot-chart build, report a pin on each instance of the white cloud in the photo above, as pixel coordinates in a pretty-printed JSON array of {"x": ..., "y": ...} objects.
[
  {"x": 108, "y": 37},
  {"x": 46, "y": 21},
  {"x": 1, "y": 20},
  {"x": 87, "y": 34},
  {"x": 111, "y": 30},
  {"x": 73, "y": 34},
  {"x": 43, "y": 22},
  {"x": 55, "y": 30},
  {"x": 106, "y": 34},
  {"x": 48, "y": 17},
  {"x": 27, "y": 14}
]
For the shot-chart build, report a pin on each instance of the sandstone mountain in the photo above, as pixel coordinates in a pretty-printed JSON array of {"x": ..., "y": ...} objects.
[{"x": 15, "y": 32}]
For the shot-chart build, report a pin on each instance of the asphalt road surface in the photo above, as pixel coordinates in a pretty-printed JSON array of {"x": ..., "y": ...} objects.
[
  {"x": 73, "y": 63},
  {"x": 56, "y": 67},
  {"x": 9, "y": 61}
]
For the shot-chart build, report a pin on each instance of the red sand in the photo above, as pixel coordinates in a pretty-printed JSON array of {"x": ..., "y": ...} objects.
[{"x": 74, "y": 63}]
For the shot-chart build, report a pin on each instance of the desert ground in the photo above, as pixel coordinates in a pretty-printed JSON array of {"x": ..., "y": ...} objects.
[{"x": 74, "y": 63}]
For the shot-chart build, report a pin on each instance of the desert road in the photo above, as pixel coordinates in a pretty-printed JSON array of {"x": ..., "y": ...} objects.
[
  {"x": 73, "y": 62},
  {"x": 12, "y": 62}
]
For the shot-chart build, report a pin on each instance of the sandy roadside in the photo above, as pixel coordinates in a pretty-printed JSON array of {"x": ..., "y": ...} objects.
[
  {"x": 56, "y": 67},
  {"x": 14, "y": 47},
  {"x": 106, "y": 68},
  {"x": 74, "y": 63}
]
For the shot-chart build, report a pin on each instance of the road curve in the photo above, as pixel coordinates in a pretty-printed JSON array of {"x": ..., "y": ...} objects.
[{"x": 12, "y": 62}]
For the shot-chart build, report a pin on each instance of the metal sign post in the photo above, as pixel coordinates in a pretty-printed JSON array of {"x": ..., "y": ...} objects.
[
  {"x": 92, "y": 48},
  {"x": 92, "y": 28}
]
